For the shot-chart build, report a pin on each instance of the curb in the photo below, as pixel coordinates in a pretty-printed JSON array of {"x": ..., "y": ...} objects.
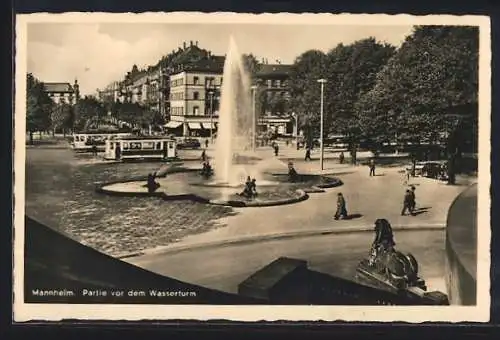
[
  {"x": 301, "y": 196},
  {"x": 276, "y": 236}
]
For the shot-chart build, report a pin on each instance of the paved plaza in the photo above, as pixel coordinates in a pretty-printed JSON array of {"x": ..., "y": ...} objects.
[
  {"x": 172, "y": 237},
  {"x": 368, "y": 198}
]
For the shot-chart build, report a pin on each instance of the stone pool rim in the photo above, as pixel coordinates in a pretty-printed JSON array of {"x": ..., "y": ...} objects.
[{"x": 300, "y": 194}]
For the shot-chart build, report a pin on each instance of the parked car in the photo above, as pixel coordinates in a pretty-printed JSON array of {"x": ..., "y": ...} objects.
[
  {"x": 431, "y": 169},
  {"x": 435, "y": 170},
  {"x": 189, "y": 143}
]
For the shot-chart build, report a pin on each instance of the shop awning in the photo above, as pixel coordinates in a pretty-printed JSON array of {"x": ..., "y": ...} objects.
[
  {"x": 173, "y": 124},
  {"x": 194, "y": 126},
  {"x": 208, "y": 125}
]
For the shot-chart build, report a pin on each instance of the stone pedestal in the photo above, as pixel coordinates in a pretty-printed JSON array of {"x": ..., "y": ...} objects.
[{"x": 280, "y": 282}]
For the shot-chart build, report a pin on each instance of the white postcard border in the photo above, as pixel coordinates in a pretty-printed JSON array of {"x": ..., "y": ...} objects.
[{"x": 56, "y": 312}]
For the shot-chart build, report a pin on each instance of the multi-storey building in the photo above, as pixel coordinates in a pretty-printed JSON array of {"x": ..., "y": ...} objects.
[
  {"x": 194, "y": 99},
  {"x": 275, "y": 115},
  {"x": 110, "y": 93},
  {"x": 63, "y": 92}
]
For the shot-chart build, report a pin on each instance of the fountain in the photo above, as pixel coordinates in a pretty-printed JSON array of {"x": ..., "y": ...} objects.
[
  {"x": 235, "y": 133},
  {"x": 234, "y": 159}
]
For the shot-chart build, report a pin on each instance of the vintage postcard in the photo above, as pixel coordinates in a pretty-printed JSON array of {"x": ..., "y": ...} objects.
[{"x": 208, "y": 166}]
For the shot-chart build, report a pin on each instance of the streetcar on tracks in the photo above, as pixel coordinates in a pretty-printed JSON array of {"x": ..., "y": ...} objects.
[
  {"x": 130, "y": 148},
  {"x": 85, "y": 141}
]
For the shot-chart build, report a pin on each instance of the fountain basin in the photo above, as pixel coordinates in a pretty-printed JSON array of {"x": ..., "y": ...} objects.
[{"x": 179, "y": 183}]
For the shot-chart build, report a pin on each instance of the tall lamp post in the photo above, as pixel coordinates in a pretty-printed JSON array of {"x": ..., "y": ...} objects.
[
  {"x": 211, "y": 94},
  {"x": 296, "y": 116},
  {"x": 322, "y": 82},
  {"x": 254, "y": 120}
]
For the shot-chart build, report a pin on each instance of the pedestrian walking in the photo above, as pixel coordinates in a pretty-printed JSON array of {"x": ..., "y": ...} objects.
[
  {"x": 372, "y": 167},
  {"x": 341, "y": 212},
  {"x": 94, "y": 148},
  {"x": 413, "y": 202},
  {"x": 407, "y": 203},
  {"x": 276, "y": 149},
  {"x": 118, "y": 152},
  {"x": 341, "y": 157},
  {"x": 206, "y": 143},
  {"x": 308, "y": 155}
]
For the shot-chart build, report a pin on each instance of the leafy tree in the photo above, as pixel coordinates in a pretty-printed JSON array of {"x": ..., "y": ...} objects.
[
  {"x": 251, "y": 64},
  {"x": 352, "y": 71},
  {"x": 304, "y": 88},
  {"x": 130, "y": 112},
  {"x": 38, "y": 107},
  {"x": 62, "y": 117},
  {"x": 429, "y": 87},
  {"x": 89, "y": 113}
]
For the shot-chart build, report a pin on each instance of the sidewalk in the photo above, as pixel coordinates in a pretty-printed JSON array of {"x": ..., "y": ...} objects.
[{"x": 368, "y": 198}]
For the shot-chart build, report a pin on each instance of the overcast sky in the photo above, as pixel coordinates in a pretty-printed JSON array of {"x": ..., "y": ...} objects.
[{"x": 98, "y": 54}]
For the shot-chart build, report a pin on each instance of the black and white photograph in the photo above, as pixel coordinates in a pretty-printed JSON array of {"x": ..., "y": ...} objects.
[{"x": 248, "y": 167}]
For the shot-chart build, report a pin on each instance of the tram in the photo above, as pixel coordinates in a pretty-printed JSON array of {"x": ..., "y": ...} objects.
[
  {"x": 84, "y": 141},
  {"x": 137, "y": 148}
]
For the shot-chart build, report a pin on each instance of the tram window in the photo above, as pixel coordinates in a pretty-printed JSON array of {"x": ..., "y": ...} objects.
[
  {"x": 170, "y": 145},
  {"x": 111, "y": 146},
  {"x": 125, "y": 146},
  {"x": 158, "y": 146},
  {"x": 148, "y": 145}
]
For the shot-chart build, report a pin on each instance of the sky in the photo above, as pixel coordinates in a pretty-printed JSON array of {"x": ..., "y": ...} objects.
[{"x": 99, "y": 53}]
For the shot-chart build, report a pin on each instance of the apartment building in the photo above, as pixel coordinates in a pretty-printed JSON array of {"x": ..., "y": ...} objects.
[
  {"x": 194, "y": 99},
  {"x": 275, "y": 115},
  {"x": 63, "y": 92}
]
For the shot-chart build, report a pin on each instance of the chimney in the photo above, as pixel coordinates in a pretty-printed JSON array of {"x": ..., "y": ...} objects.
[
  {"x": 184, "y": 44},
  {"x": 196, "y": 43},
  {"x": 190, "y": 43}
]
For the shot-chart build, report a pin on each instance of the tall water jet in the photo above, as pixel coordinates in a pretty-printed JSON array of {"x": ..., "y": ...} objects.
[{"x": 235, "y": 130}]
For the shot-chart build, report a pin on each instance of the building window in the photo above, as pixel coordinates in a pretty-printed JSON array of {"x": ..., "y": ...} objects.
[
  {"x": 196, "y": 110},
  {"x": 196, "y": 80},
  {"x": 278, "y": 84},
  {"x": 196, "y": 95},
  {"x": 269, "y": 83}
]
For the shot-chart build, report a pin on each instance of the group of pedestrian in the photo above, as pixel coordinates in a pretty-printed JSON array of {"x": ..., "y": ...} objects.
[{"x": 409, "y": 202}]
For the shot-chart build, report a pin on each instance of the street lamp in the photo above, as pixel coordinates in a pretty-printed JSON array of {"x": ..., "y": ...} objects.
[
  {"x": 254, "y": 123},
  {"x": 296, "y": 116},
  {"x": 322, "y": 82},
  {"x": 211, "y": 93}
]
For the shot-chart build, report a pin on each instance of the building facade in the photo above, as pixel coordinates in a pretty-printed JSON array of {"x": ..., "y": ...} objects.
[
  {"x": 273, "y": 85},
  {"x": 63, "y": 93},
  {"x": 110, "y": 93},
  {"x": 194, "y": 100}
]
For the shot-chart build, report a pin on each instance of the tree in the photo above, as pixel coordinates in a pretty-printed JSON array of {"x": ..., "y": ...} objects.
[
  {"x": 130, "y": 112},
  {"x": 429, "y": 86},
  {"x": 352, "y": 71},
  {"x": 38, "y": 107},
  {"x": 89, "y": 113},
  {"x": 251, "y": 64},
  {"x": 304, "y": 88},
  {"x": 62, "y": 117}
]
